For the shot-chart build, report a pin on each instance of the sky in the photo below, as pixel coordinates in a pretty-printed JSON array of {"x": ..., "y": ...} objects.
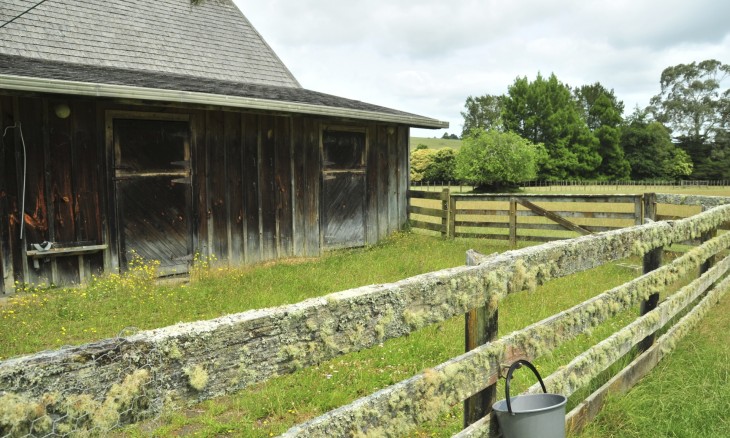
[{"x": 426, "y": 57}]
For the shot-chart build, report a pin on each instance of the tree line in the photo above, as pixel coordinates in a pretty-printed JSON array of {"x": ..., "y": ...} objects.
[{"x": 544, "y": 129}]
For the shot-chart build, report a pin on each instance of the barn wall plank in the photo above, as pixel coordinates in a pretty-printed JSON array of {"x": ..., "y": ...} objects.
[
  {"x": 267, "y": 186},
  {"x": 312, "y": 187},
  {"x": 381, "y": 168},
  {"x": 371, "y": 184},
  {"x": 8, "y": 197},
  {"x": 234, "y": 187},
  {"x": 200, "y": 185},
  {"x": 299, "y": 190},
  {"x": 217, "y": 189},
  {"x": 402, "y": 174},
  {"x": 282, "y": 185},
  {"x": 60, "y": 191},
  {"x": 392, "y": 167},
  {"x": 36, "y": 215},
  {"x": 251, "y": 188}
]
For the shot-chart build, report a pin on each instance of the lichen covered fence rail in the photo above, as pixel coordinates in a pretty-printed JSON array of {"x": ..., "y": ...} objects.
[{"x": 100, "y": 386}]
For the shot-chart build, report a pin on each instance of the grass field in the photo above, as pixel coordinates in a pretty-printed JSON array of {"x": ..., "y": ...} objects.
[
  {"x": 43, "y": 319},
  {"x": 434, "y": 143}
]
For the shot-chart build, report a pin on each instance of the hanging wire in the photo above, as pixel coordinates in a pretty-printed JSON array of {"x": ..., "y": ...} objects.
[
  {"x": 22, "y": 196},
  {"x": 22, "y": 13}
]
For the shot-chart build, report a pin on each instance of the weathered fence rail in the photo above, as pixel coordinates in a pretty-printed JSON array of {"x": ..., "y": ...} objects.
[{"x": 99, "y": 386}]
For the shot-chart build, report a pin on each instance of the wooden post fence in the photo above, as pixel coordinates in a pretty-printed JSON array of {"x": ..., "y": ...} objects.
[{"x": 652, "y": 261}]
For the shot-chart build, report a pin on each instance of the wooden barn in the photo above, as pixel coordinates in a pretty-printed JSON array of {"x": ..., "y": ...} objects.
[{"x": 168, "y": 130}]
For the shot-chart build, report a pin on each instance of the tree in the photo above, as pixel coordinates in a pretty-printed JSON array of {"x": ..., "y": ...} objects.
[
  {"x": 602, "y": 112},
  {"x": 442, "y": 166},
  {"x": 433, "y": 165},
  {"x": 494, "y": 158},
  {"x": 420, "y": 160},
  {"x": 483, "y": 112},
  {"x": 544, "y": 111},
  {"x": 650, "y": 151},
  {"x": 693, "y": 104}
]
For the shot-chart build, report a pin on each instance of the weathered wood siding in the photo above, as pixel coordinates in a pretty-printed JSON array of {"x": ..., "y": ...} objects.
[{"x": 257, "y": 185}]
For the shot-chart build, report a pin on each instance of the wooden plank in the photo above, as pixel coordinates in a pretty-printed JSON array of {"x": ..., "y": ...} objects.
[
  {"x": 298, "y": 186},
  {"x": 382, "y": 168},
  {"x": 282, "y": 184},
  {"x": 418, "y": 194},
  {"x": 36, "y": 215},
  {"x": 613, "y": 199},
  {"x": 8, "y": 196},
  {"x": 234, "y": 186},
  {"x": 87, "y": 180},
  {"x": 427, "y": 226},
  {"x": 313, "y": 190},
  {"x": 267, "y": 172},
  {"x": 371, "y": 184},
  {"x": 61, "y": 153},
  {"x": 200, "y": 186},
  {"x": 552, "y": 216},
  {"x": 250, "y": 136},
  {"x": 391, "y": 169},
  {"x": 402, "y": 173},
  {"x": 434, "y": 212},
  {"x": 218, "y": 187},
  {"x": 482, "y": 236}
]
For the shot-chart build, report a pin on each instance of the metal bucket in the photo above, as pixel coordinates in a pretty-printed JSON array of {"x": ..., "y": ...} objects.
[{"x": 533, "y": 415}]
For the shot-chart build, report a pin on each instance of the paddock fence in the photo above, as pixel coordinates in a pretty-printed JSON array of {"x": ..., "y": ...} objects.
[
  {"x": 539, "y": 217},
  {"x": 97, "y": 387}
]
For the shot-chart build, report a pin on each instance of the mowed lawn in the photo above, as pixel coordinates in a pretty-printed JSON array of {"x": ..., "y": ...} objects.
[{"x": 43, "y": 319}]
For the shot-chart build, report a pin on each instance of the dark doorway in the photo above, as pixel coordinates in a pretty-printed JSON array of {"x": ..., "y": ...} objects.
[
  {"x": 153, "y": 192},
  {"x": 343, "y": 188}
]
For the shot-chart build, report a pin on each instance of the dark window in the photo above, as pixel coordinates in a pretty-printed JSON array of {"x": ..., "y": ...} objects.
[
  {"x": 150, "y": 145},
  {"x": 343, "y": 150}
]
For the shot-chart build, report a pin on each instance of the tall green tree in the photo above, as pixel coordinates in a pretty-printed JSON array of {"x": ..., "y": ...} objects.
[
  {"x": 602, "y": 111},
  {"x": 650, "y": 151},
  {"x": 693, "y": 103},
  {"x": 483, "y": 112},
  {"x": 495, "y": 159},
  {"x": 544, "y": 111}
]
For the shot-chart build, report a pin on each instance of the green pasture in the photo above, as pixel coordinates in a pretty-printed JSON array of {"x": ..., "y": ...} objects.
[{"x": 434, "y": 143}]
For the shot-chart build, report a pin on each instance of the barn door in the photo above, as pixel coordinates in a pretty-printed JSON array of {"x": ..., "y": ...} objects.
[
  {"x": 343, "y": 188},
  {"x": 152, "y": 183}
]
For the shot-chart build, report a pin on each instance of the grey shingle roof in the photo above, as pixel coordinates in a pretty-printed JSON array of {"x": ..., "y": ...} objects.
[
  {"x": 24, "y": 67},
  {"x": 165, "y": 50},
  {"x": 213, "y": 40}
]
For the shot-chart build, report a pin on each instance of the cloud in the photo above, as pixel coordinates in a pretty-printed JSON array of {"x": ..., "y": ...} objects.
[{"x": 426, "y": 57}]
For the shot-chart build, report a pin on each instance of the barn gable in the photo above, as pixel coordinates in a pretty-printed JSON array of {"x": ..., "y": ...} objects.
[{"x": 169, "y": 131}]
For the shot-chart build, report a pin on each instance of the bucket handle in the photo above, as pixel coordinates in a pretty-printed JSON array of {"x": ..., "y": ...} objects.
[{"x": 512, "y": 368}]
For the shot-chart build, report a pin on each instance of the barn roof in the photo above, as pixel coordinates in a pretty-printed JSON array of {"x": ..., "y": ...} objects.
[{"x": 165, "y": 50}]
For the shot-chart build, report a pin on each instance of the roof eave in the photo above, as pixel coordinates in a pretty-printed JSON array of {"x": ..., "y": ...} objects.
[{"x": 58, "y": 86}]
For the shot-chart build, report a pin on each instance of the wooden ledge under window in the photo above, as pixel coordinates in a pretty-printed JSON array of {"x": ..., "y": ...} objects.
[{"x": 66, "y": 251}]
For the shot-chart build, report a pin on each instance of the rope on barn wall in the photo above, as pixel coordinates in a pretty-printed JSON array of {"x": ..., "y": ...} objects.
[{"x": 22, "y": 196}]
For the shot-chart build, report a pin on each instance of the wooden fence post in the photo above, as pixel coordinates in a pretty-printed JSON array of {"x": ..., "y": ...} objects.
[
  {"x": 480, "y": 327},
  {"x": 452, "y": 216},
  {"x": 445, "y": 208},
  {"x": 639, "y": 210},
  {"x": 513, "y": 222},
  {"x": 709, "y": 263},
  {"x": 652, "y": 261}
]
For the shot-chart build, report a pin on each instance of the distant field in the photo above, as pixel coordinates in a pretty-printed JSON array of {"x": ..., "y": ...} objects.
[{"x": 434, "y": 143}]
